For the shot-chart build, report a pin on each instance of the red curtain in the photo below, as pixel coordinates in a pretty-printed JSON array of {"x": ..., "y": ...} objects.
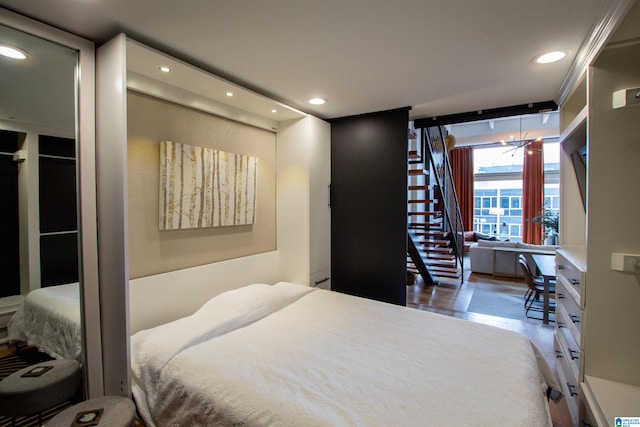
[
  {"x": 461, "y": 160},
  {"x": 532, "y": 192}
]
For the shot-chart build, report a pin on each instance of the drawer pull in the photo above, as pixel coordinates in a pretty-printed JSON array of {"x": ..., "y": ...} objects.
[
  {"x": 574, "y": 282},
  {"x": 560, "y": 295},
  {"x": 558, "y": 354},
  {"x": 574, "y": 318},
  {"x": 560, "y": 324},
  {"x": 572, "y": 352},
  {"x": 571, "y": 387},
  {"x": 322, "y": 280},
  {"x": 560, "y": 267}
]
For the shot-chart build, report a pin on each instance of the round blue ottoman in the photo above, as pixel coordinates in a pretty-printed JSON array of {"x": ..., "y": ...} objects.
[
  {"x": 113, "y": 411},
  {"x": 39, "y": 387}
]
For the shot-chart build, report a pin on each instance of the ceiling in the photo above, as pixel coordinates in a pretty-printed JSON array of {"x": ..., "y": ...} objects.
[
  {"x": 50, "y": 69},
  {"x": 439, "y": 56}
]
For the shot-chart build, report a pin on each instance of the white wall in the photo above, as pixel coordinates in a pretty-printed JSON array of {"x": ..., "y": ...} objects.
[{"x": 165, "y": 297}]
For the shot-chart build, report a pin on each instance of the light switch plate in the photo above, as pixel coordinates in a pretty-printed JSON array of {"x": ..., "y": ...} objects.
[
  {"x": 626, "y": 98},
  {"x": 628, "y": 263}
]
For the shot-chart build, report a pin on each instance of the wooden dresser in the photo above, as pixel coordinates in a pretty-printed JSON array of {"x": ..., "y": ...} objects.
[{"x": 570, "y": 307}]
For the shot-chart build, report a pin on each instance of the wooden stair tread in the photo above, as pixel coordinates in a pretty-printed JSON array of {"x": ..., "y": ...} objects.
[
  {"x": 421, "y": 201},
  {"x": 424, "y": 213},
  {"x": 419, "y": 187},
  {"x": 439, "y": 255},
  {"x": 433, "y": 242},
  {"x": 449, "y": 275},
  {"x": 441, "y": 263},
  {"x": 416, "y": 172},
  {"x": 432, "y": 233},
  {"x": 447, "y": 270},
  {"x": 437, "y": 249},
  {"x": 425, "y": 224}
]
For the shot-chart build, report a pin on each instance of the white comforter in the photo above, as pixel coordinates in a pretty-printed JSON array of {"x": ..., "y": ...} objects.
[
  {"x": 288, "y": 355},
  {"x": 50, "y": 320}
]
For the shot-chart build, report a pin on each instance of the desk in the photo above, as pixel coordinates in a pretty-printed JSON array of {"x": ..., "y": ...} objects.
[
  {"x": 516, "y": 251},
  {"x": 547, "y": 267}
]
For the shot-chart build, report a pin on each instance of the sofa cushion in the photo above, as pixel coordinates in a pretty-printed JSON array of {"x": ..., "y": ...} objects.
[
  {"x": 492, "y": 244},
  {"x": 537, "y": 247}
]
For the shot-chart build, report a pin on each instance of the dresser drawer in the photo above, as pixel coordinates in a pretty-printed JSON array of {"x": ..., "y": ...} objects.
[
  {"x": 572, "y": 290},
  {"x": 570, "y": 321},
  {"x": 569, "y": 384},
  {"x": 569, "y": 350},
  {"x": 568, "y": 312},
  {"x": 565, "y": 295},
  {"x": 572, "y": 275}
]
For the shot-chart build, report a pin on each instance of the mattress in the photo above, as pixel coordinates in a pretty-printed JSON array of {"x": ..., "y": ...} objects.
[
  {"x": 290, "y": 355},
  {"x": 49, "y": 319}
]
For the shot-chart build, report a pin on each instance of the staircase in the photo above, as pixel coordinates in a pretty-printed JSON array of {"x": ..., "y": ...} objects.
[{"x": 435, "y": 229}]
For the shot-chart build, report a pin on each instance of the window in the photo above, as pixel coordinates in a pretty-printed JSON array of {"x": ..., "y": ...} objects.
[{"x": 498, "y": 188}]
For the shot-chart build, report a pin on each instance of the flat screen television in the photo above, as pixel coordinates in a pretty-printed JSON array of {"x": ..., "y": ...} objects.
[{"x": 579, "y": 160}]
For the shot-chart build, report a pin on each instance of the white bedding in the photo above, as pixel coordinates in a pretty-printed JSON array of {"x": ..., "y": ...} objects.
[
  {"x": 49, "y": 319},
  {"x": 289, "y": 355}
]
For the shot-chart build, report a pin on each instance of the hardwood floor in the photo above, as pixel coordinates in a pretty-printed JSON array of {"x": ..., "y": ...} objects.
[{"x": 452, "y": 298}]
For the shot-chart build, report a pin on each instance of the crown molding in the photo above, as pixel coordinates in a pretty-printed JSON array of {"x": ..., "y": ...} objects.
[{"x": 611, "y": 14}]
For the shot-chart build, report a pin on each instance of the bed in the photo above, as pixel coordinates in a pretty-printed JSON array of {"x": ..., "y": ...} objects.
[
  {"x": 290, "y": 355},
  {"x": 49, "y": 319}
]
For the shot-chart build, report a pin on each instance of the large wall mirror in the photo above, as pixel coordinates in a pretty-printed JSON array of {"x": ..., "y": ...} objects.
[{"x": 47, "y": 185}]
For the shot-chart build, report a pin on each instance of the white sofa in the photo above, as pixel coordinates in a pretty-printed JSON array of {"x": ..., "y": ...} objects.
[{"x": 481, "y": 256}]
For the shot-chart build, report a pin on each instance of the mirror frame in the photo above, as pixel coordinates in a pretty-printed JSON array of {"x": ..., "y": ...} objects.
[{"x": 86, "y": 183}]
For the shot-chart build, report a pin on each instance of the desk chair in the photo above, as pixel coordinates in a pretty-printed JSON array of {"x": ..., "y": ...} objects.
[{"x": 535, "y": 285}]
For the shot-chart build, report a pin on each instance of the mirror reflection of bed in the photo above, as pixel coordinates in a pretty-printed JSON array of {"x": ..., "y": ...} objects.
[{"x": 38, "y": 151}]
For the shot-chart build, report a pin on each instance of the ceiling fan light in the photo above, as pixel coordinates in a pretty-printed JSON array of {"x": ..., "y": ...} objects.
[{"x": 549, "y": 57}]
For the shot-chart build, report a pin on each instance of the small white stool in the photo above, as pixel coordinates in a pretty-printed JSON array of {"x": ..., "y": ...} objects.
[
  {"x": 39, "y": 387},
  {"x": 115, "y": 411}
]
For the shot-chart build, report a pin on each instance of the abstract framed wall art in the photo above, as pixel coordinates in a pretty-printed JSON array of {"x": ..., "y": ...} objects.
[{"x": 202, "y": 187}]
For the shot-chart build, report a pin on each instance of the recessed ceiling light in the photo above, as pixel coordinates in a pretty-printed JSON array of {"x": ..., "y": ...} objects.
[
  {"x": 165, "y": 69},
  {"x": 12, "y": 52},
  {"x": 549, "y": 57},
  {"x": 229, "y": 93},
  {"x": 274, "y": 111},
  {"x": 317, "y": 101}
]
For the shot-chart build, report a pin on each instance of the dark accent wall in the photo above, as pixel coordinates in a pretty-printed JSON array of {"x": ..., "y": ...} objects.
[
  {"x": 58, "y": 211},
  {"x": 369, "y": 205},
  {"x": 9, "y": 249}
]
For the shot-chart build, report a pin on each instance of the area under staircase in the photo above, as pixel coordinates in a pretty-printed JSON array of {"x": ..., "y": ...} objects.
[{"x": 435, "y": 231}]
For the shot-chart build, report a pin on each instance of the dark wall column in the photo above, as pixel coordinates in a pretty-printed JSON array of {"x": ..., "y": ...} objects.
[{"x": 369, "y": 205}]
